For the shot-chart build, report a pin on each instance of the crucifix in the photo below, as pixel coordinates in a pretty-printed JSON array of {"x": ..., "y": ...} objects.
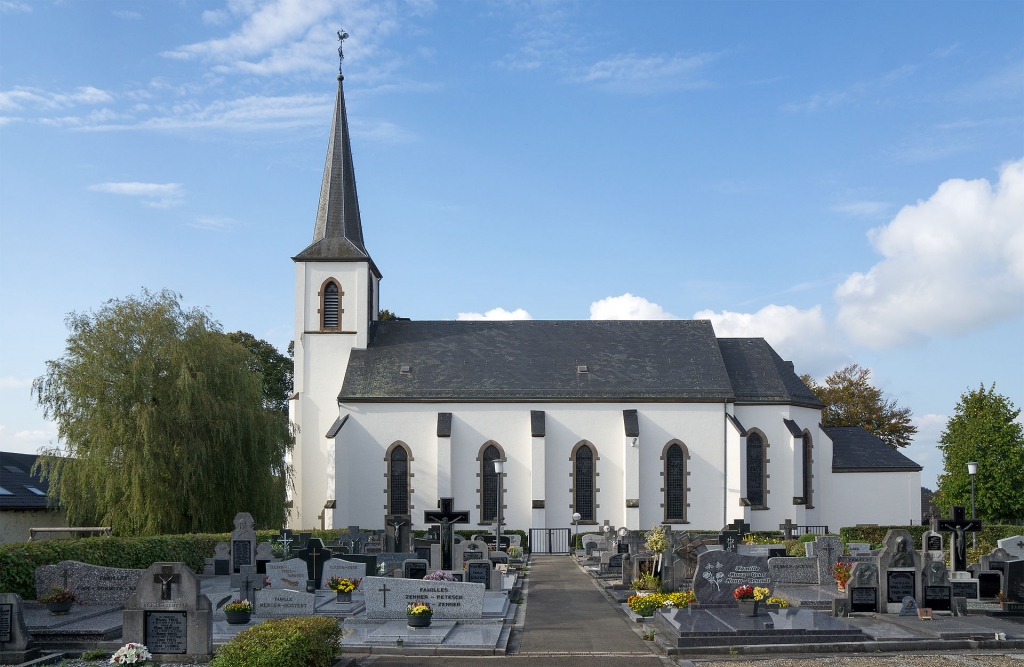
[
  {"x": 285, "y": 540},
  {"x": 165, "y": 579},
  {"x": 397, "y": 540},
  {"x": 245, "y": 580},
  {"x": 384, "y": 589},
  {"x": 315, "y": 555},
  {"x": 789, "y": 529},
  {"x": 958, "y": 525},
  {"x": 446, "y": 517},
  {"x": 739, "y": 526},
  {"x": 355, "y": 540}
]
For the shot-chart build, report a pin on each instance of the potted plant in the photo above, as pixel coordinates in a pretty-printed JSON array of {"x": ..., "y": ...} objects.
[
  {"x": 131, "y": 654},
  {"x": 343, "y": 587},
  {"x": 238, "y": 612},
  {"x": 841, "y": 573},
  {"x": 418, "y": 614},
  {"x": 749, "y": 598},
  {"x": 59, "y": 600}
]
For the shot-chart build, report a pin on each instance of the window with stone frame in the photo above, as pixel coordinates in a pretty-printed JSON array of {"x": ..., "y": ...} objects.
[
  {"x": 808, "y": 460},
  {"x": 756, "y": 491},
  {"x": 398, "y": 480},
  {"x": 489, "y": 484},
  {"x": 675, "y": 483},
  {"x": 583, "y": 483},
  {"x": 330, "y": 306}
]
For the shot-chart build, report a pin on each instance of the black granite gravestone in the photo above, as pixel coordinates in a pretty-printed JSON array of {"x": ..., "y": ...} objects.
[
  {"x": 414, "y": 569},
  {"x": 423, "y": 553},
  {"x": 1014, "y": 581},
  {"x": 899, "y": 585},
  {"x": 864, "y": 599},
  {"x": 315, "y": 555},
  {"x": 729, "y": 539},
  {"x": 934, "y": 543},
  {"x": 937, "y": 598},
  {"x": 989, "y": 584},
  {"x": 447, "y": 517},
  {"x": 965, "y": 589},
  {"x": 479, "y": 573}
]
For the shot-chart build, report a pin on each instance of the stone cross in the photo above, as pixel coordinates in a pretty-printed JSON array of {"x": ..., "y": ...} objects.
[
  {"x": 315, "y": 556},
  {"x": 245, "y": 580},
  {"x": 446, "y": 517},
  {"x": 788, "y": 529},
  {"x": 165, "y": 579},
  {"x": 285, "y": 540},
  {"x": 384, "y": 589},
  {"x": 958, "y": 525},
  {"x": 739, "y": 526}
]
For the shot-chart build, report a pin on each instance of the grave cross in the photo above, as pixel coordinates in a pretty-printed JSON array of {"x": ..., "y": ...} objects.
[
  {"x": 958, "y": 525},
  {"x": 285, "y": 540},
  {"x": 739, "y": 526},
  {"x": 355, "y": 539},
  {"x": 446, "y": 516},
  {"x": 315, "y": 556},
  {"x": 789, "y": 529},
  {"x": 244, "y": 581},
  {"x": 165, "y": 579},
  {"x": 384, "y": 589},
  {"x": 827, "y": 549}
]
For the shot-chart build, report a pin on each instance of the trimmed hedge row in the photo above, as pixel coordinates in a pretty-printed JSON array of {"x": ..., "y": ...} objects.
[{"x": 988, "y": 538}]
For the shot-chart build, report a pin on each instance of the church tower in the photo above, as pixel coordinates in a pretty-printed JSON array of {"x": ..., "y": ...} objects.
[{"x": 336, "y": 303}]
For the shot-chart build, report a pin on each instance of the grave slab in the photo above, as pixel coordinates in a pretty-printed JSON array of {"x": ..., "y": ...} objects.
[
  {"x": 392, "y": 631},
  {"x": 289, "y": 574},
  {"x": 387, "y": 598},
  {"x": 91, "y": 584},
  {"x": 343, "y": 569}
]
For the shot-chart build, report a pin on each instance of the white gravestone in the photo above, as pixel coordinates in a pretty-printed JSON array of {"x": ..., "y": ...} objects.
[
  {"x": 284, "y": 603},
  {"x": 1013, "y": 546},
  {"x": 343, "y": 569},
  {"x": 388, "y": 598},
  {"x": 290, "y": 574}
]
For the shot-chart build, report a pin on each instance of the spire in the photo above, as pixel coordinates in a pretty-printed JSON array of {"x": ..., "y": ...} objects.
[{"x": 338, "y": 233}]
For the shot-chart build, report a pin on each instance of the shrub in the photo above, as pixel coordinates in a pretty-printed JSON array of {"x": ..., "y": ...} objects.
[
  {"x": 310, "y": 641},
  {"x": 806, "y": 538},
  {"x": 646, "y": 605}
]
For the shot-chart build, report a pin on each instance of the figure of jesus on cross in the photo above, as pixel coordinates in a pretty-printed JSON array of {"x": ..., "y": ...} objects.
[
  {"x": 447, "y": 517},
  {"x": 959, "y": 525}
]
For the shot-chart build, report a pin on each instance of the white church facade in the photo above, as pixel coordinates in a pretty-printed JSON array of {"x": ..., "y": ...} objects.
[{"x": 631, "y": 422}]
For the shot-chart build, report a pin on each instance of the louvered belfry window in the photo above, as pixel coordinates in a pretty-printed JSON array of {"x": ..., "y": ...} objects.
[
  {"x": 755, "y": 470},
  {"x": 331, "y": 306},
  {"x": 399, "y": 481},
  {"x": 489, "y": 488},
  {"x": 584, "y": 483},
  {"x": 675, "y": 484}
]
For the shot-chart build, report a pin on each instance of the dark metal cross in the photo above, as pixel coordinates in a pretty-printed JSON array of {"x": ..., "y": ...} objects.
[
  {"x": 165, "y": 579},
  {"x": 384, "y": 589},
  {"x": 314, "y": 550},
  {"x": 958, "y": 525},
  {"x": 342, "y": 36},
  {"x": 447, "y": 517},
  {"x": 788, "y": 529},
  {"x": 739, "y": 526}
]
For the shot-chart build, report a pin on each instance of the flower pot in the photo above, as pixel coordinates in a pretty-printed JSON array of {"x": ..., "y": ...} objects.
[
  {"x": 748, "y": 607},
  {"x": 238, "y": 617},
  {"x": 59, "y": 607},
  {"x": 344, "y": 597},
  {"x": 842, "y": 587},
  {"x": 419, "y": 621}
]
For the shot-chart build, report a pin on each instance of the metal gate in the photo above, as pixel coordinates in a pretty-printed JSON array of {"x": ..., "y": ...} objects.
[{"x": 549, "y": 541}]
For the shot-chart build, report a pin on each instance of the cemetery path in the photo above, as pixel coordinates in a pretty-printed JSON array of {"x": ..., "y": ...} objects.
[{"x": 566, "y": 612}]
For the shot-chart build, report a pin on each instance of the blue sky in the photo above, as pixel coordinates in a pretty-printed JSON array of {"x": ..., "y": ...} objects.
[{"x": 844, "y": 179}]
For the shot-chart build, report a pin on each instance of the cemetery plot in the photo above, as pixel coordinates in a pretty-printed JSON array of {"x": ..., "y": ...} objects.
[{"x": 388, "y": 598}]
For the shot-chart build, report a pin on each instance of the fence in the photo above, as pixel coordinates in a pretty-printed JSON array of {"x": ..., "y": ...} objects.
[{"x": 549, "y": 541}]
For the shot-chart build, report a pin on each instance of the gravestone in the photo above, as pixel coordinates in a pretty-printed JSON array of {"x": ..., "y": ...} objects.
[
  {"x": 423, "y": 553},
  {"x": 479, "y": 573},
  {"x": 793, "y": 570},
  {"x": 937, "y": 591},
  {"x": 91, "y": 584},
  {"x": 369, "y": 560},
  {"x": 301, "y": 540},
  {"x": 264, "y": 554},
  {"x": 931, "y": 541},
  {"x": 247, "y": 581},
  {"x": 1014, "y": 581},
  {"x": 788, "y": 529},
  {"x": 1013, "y": 546},
  {"x": 289, "y": 574},
  {"x": 858, "y": 548},
  {"x": 899, "y": 566},
  {"x": 168, "y": 614},
  {"x": 958, "y": 525},
  {"x": 341, "y": 568},
  {"x": 354, "y": 540},
  {"x": 243, "y": 541},
  {"x": 387, "y": 598},
  {"x": 373, "y": 547},
  {"x": 968, "y": 589},
  {"x": 908, "y": 607},
  {"x": 828, "y": 549},
  {"x": 959, "y": 606},
  {"x": 16, "y": 644},
  {"x": 461, "y": 552},
  {"x": 272, "y": 603},
  {"x": 315, "y": 555},
  {"x": 996, "y": 560},
  {"x": 399, "y": 533},
  {"x": 729, "y": 539},
  {"x": 719, "y": 573},
  {"x": 862, "y": 589},
  {"x": 222, "y": 559},
  {"x": 415, "y": 568},
  {"x": 989, "y": 584},
  {"x": 446, "y": 517},
  {"x": 739, "y": 526}
]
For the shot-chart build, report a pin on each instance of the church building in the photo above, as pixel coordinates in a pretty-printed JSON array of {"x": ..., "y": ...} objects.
[{"x": 631, "y": 422}]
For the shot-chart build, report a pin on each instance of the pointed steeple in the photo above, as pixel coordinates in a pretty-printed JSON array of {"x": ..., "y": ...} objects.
[{"x": 338, "y": 234}]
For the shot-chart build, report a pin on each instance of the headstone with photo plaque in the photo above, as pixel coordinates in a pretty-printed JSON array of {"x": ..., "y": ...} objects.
[
  {"x": 168, "y": 614},
  {"x": 937, "y": 592},
  {"x": 862, "y": 589},
  {"x": 899, "y": 566},
  {"x": 243, "y": 542},
  {"x": 16, "y": 644}
]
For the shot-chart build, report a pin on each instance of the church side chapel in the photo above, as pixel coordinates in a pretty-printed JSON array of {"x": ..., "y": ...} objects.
[{"x": 630, "y": 423}]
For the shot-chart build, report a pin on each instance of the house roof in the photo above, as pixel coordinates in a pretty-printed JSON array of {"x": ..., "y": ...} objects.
[
  {"x": 541, "y": 360},
  {"x": 855, "y": 449},
  {"x": 17, "y": 483}
]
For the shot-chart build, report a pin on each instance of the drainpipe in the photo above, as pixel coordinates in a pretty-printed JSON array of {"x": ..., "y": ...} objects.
[{"x": 725, "y": 464}]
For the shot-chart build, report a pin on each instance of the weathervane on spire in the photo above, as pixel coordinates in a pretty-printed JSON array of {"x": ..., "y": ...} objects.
[{"x": 342, "y": 36}]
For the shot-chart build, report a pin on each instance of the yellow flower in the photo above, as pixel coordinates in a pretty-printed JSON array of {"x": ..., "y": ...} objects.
[{"x": 761, "y": 593}]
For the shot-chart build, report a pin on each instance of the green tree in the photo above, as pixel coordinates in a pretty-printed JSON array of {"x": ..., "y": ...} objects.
[
  {"x": 850, "y": 400},
  {"x": 983, "y": 430},
  {"x": 277, "y": 370},
  {"x": 162, "y": 421},
  {"x": 386, "y": 316}
]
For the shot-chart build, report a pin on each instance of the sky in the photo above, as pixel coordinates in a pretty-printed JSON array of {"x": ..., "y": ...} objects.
[{"x": 844, "y": 179}]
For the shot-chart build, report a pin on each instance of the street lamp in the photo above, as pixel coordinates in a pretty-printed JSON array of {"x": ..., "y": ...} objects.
[
  {"x": 972, "y": 470},
  {"x": 499, "y": 467},
  {"x": 576, "y": 516}
]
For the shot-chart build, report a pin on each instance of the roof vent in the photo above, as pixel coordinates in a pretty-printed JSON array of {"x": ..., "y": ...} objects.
[
  {"x": 5, "y": 492},
  {"x": 405, "y": 370},
  {"x": 581, "y": 369},
  {"x": 14, "y": 469},
  {"x": 36, "y": 491}
]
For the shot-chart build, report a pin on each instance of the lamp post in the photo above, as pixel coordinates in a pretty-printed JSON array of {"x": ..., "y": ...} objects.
[
  {"x": 499, "y": 467},
  {"x": 576, "y": 516},
  {"x": 972, "y": 470}
]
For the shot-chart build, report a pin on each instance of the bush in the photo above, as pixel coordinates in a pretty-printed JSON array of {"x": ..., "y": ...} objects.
[
  {"x": 806, "y": 538},
  {"x": 988, "y": 538},
  {"x": 310, "y": 641},
  {"x": 646, "y": 605}
]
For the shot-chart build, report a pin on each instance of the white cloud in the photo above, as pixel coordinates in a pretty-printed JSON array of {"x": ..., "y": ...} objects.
[
  {"x": 19, "y": 97},
  {"x": 924, "y": 449},
  {"x": 497, "y": 314},
  {"x": 157, "y": 195},
  {"x": 630, "y": 73},
  {"x": 27, "y": 441},
  {"x": 380, "y": 132},
  {"x": 628, "y": 307},
  {"x": 122, "y": 14},
  {"x": 215, "y": 17},
  {"x": 862, "y": 209},
  {"x": 802, "y": 336},
  {"x": 952, "y": 264},
  {"x": 10, "y": 382},
  {"x": 213, "y": 222},
  {"x": 8, "y": 6},
  {"x": 256, "y": 112}
]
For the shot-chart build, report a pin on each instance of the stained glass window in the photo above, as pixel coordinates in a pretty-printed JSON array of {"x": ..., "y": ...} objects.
[
  {"x": 584, "y": 483},
  {"x": 399, "y": 481},
  {"x": 807, "y": 469},
  {"x": 675, "y": 484},
  {"x": 489, "y": 487},
  {"x": 755, "y": 470}
]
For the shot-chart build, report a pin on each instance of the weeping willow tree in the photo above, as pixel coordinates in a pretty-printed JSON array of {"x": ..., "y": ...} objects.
[{"x": 162, "y": 423}]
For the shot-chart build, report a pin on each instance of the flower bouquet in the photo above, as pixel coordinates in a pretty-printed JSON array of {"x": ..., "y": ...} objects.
[
  {"x": 238, "y": 612},
  {"x": 439, "y": 575},
  {"x": 343, "y": 587},
  {"x": 131, "y": 654},
  {"x": 418, "y": 614},
  {"x": 841, "y": 573},
  {"x": 748, "y": 599}
]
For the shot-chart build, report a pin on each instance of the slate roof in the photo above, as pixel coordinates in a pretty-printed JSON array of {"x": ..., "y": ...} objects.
[
  {"x": 16, "y": 480},
  {"x": 855, "y": 449},
  {"x": 537, "y": 360},
  {"x": 759, "y": 375}
]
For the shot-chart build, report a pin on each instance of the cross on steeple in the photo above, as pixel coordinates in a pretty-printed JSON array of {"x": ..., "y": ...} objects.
[
  {"x": 446, "y": 516},
  {"x": 342, "y": 36}
]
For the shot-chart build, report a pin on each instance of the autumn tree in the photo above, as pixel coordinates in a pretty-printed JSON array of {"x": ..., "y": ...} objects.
[
  {"x": 851, "y": 400},
  {"x": 984, "y": 429},
  {"x": 163, "y": 422}
]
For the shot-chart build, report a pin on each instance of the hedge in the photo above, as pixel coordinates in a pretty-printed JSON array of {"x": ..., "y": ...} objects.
[
  {"x": 988, "y": 538},
  {"x": 310, "y": 641}
]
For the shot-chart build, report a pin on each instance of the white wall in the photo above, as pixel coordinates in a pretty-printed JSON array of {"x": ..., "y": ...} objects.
[{"x": 14, "y": 524}]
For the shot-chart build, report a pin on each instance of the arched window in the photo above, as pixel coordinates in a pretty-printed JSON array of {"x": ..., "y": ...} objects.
[
  {"x": 675, "y": 483},
  {"x": 489, "y": 484},
  {"x": 398, "y": 480},
  {"x": 808, "y": 460},
  {"x": 330, "y": 306},
  {"x": 755, "y": 470},
  {"x": 583, "y": 482}
]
